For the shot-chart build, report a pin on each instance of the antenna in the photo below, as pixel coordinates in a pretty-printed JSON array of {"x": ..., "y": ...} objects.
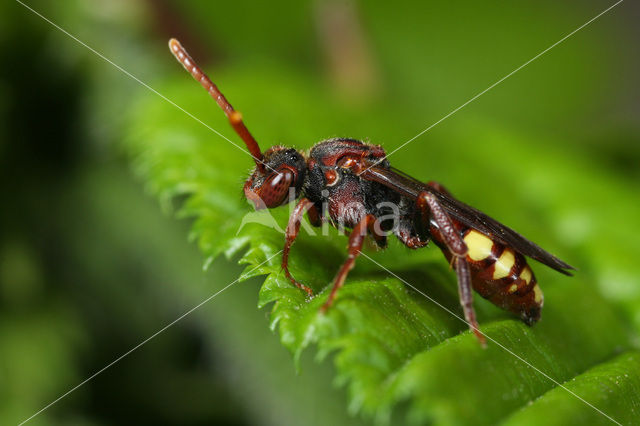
[{"x": 235, "y": 118}]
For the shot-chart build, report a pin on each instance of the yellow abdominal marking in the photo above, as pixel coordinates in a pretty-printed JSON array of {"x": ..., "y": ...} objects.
[
  {"x": 479, "y": 245},
  {"x": 513, "y": 288},
  {"x": 537, "y": 294},
  {"x": 526, "y": 275},
  {"x": 504, "y": 264}
]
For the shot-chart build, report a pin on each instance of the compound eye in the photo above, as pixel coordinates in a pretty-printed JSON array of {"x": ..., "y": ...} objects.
[{"x": 275, "y": 189}]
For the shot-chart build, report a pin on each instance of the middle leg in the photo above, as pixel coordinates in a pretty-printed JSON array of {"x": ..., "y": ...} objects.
[{"x": 356, "y": 240}]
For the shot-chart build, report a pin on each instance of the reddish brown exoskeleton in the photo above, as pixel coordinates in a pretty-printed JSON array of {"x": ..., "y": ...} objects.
[{"x": 355, "y": 184}]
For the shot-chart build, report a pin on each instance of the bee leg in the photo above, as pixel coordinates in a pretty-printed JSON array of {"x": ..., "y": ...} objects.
[
  {"x": 293, "y": 227},
  {"x": 466, "y": 298},
  {"x": 356, "y": 240},
  {"x": 314, "y": 217},
  {"x": 456, "y": 245}
]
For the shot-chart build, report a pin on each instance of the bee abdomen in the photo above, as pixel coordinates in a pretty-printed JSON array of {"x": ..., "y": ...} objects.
[{"x": 502, "y": 275}]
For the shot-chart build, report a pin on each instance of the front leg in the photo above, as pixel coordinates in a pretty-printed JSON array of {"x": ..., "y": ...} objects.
[
  {"x": 456, "y": 245},
  {"x": 293, "y": 227},
  {"x": 356, "y": 240}
]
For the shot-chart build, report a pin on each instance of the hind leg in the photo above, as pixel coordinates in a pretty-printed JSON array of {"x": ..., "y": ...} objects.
[
  {"x": 458, "y": 249},
  {"x": 439, "y": 187}
]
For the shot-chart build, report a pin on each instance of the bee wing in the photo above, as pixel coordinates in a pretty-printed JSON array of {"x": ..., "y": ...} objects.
[{"x": 467, "y": 215}]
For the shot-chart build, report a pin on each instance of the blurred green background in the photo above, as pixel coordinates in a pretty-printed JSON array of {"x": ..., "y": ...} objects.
[{"x": 90, "y": 266}]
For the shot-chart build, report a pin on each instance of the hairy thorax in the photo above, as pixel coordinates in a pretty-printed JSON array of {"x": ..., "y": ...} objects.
[{"x": 344, "y": 198}]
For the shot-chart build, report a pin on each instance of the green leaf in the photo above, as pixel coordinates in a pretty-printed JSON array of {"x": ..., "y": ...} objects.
[
  {"x": 612, "y": 386},
  {"x": 396, "y": 350}
]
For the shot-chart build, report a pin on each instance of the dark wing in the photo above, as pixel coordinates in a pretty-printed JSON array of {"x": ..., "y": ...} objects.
[{"x": 465, "y": 214}]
